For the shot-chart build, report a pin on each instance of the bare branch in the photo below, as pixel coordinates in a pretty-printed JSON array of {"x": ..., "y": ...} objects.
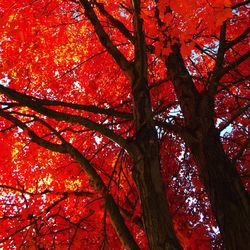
[
  {"x": 34, "y": 137},
  {"x": 238, "y": 39},
  {"x": 241, "y": 151},
  {"x": 221, "y": 50},
  {"x": 233, "y": 65},
  {"x": 105, "y": 40},
  {"x": 61, "y": 116},
  {"x": 115, "y": 22},
  {"x": 238, "y": 5},
  {"x": 234, "y": 117}
]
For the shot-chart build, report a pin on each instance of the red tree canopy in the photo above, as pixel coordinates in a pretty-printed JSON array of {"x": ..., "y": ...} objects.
[{"x": 67, "y": 115}]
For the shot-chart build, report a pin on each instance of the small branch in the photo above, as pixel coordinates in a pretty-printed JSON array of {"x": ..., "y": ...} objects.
[
  {"x": 171, "y": 127},
  {"x": 233, "y": 65},
  {"x": 241, "y": 151},
  {"x": 221, "y": 50},
  {"x": 241, "y": 37},
  {"x": 105, "y": 40},
  {"x": 234, "y": 117},
  {"x": 197, "y": 46},
  {"x": 238, "y": 5},
  {"x": 17, "y": 231},
  {"x": 34, "y": 137},
  {"x": 115, "y": 22}
]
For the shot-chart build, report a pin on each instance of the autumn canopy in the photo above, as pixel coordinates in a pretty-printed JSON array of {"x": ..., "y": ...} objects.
[{"x": 124, "y": 124}]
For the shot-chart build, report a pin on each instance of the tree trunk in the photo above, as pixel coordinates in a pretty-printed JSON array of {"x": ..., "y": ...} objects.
[
  {"x": 156, "y": 216},
  {"x": 229, "y": 200},
  {"x": 147, "y": 172}
]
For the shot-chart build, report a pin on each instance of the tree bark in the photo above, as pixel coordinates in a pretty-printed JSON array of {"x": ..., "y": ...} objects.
[
  {"x": 155, "y": 212},
  {"x": 229, "y": 200},
  {"x": 147, "y": 173}
]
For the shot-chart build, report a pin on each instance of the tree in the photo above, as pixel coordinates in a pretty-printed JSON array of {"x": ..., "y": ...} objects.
[{"x": 124, "y": 123}]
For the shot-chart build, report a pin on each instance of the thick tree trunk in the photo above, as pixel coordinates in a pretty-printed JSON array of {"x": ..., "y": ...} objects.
[
  {"x": 156, "y": 217},
  {"x": 147, "y": 173},
  {"x": 229, "y": 200}
]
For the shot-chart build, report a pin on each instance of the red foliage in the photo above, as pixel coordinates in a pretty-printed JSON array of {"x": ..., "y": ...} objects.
[{"x": 49, "y": 50}]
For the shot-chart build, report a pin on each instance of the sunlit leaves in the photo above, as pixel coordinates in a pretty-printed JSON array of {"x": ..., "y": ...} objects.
[{"x": 48, "y": 49}]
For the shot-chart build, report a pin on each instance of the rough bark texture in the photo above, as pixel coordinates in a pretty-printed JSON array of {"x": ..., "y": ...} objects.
[
  {"x": 147, "y": 175},
  {"x": 229, "y": 200},
  {"x": 118, "y": 223},
  {"x": 156, "y": 216},
  {"x": 116, "y": 218}
]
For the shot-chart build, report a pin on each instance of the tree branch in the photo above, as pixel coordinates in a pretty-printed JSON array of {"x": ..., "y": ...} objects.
[
  {"x": 232, "y": 65},
  {"x": 240, "y": 4},
  {"x": 241, "y": 151},
  {"x": 34, "y": 137},
  {"x": 234, "y": 117},
  {"x": 111, "y": 206},
  {"x": 115, "y": 22},
  {"x": 221, "y": 50},
  {"x": 61, "y": 116},
  {"x": 238, "y": 39},
  {"x": 89, "y": 108},
  {"x": 105, "y": 40},
  {"x": 114, "y": 213}
]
